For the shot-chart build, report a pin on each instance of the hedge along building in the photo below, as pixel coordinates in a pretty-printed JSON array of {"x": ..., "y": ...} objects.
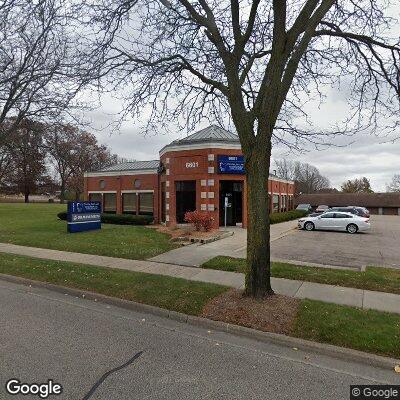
[{"x": 203, "y": 171}]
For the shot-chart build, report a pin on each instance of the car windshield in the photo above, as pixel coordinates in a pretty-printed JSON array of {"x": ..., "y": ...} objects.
[{"x": 303, "y": 206}]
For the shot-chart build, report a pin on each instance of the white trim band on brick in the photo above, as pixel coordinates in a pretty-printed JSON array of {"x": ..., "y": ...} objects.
[
  {"x": 101, "y": 191},
  {"x": 138, "y": 191},
  {"x": 120, "y": 173},
  {"x": 200, "y": 146}
]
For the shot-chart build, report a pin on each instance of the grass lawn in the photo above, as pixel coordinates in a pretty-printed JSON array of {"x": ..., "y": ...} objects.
[
  {"x": 370, "y": 331},
  {"x": 366, "y": 330},
  {"x": 37, "y": 225},
  {"x": 161, "y": 291},
  {"x": 374, "y": 278}
]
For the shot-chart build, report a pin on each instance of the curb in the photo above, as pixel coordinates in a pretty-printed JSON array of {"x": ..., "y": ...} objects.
[
  {"x": 266, "y": 337},
  {"x": 284, "y": 234},
  {"x": 215, "y": 238},
  {"x": 223, "y": 235},
  {"x": 317, "y": 265}
]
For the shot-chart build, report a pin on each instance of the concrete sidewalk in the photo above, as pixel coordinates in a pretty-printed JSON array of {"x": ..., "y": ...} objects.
[
  {"x": 332, "y": 294},
  {"x": 235, "y": 246}
]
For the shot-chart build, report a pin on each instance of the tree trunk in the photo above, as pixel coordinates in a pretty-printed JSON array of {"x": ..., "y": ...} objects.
[
  {"x": 258, "y": 275},
  {"x": 26, "y": 194},
  {"x": 62, "y": 192}
]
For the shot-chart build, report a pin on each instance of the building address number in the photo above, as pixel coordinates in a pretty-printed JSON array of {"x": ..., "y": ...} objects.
[{"x": 192, "y": 164}]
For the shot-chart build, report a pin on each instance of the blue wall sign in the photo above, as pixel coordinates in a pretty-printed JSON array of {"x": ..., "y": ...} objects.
[
  {"x": 231, "y": 165},
  {"x": 83, "y": 216}
]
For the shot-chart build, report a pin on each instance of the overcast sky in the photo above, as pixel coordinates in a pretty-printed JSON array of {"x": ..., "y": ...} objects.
[{"x": 376, "y": 157}]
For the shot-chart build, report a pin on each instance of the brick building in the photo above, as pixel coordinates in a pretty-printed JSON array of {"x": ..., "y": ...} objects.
[
  {"x": 198, "y": 172},
  {"x": 377, "y": 203}
]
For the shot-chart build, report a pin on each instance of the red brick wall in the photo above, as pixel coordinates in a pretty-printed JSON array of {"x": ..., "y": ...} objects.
[
  {"x": 193, "y": 165},
  {"x": 124, "y": 182},
  {"x": 184, "y": 165}
]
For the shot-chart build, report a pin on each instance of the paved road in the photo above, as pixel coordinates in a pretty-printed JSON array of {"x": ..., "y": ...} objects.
[
  {"x": 75, "y": 342},
  {"x": 379, "y": 247}
]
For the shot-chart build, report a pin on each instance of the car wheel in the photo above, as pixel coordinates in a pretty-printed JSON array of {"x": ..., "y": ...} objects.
[
  {"x": 352, "y": 228},
  {"x": 309, "y": 226}
]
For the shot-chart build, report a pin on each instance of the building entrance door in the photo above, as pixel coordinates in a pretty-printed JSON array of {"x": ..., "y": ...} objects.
[
  {"x": 185, "y": 199},
  {"x": 233, "y": 192}
]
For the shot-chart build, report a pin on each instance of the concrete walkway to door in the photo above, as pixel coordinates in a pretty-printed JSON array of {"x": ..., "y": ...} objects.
[{"x": 234, "y": 246}]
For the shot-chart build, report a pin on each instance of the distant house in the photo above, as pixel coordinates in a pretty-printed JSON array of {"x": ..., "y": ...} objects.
[{"x": 377, "y": 203}]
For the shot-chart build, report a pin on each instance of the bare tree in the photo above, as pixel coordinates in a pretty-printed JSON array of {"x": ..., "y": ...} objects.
[
  {"x": 358, "y": 185},
  {"x": 394, "y": 186},
  {"x": 6, "y": 162},
  {"x": 307, "y": 177},
  {"x": 28, "y": 156},
  {"x": 61, "y": 142},
  {"x": 285, "y": 168},
  {"x": 257, "y": 61},
  {"x": 73, "y": 152},
  {"x": 38, "y": 62},
  {"x": 86, "y": 155}
]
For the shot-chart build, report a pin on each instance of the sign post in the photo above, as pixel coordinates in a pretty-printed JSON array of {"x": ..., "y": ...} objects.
[
  {"x": 83, "y": 216},
  {"x": 226, "y": 206}
]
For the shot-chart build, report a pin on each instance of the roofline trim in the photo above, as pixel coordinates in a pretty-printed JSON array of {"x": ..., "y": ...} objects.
[
  {"x": 98, "y": 174},
  {"x": 276, "y": 179},
  {"x": 200, "y": 146}
]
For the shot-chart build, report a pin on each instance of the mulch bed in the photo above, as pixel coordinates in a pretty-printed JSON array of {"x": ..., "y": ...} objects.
[
  {"x": 188, "y": 232},
  {"x": 276, "y": 313}
]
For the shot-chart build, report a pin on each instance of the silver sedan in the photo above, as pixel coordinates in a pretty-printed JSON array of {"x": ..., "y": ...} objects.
[{"x": 335, "y": 221}]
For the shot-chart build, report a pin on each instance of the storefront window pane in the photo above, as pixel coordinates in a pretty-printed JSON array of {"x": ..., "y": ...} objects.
[
  {"x": 146, "y": 204},
  {"x": 129, "y": 201},
  {"x": 96, "y": 197},
  {"x": 275, "y": 207},
  {"x": 110, "y": 203}
]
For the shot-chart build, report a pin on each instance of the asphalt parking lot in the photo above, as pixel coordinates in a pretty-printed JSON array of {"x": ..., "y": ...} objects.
[{"x": 379, "y": 247}]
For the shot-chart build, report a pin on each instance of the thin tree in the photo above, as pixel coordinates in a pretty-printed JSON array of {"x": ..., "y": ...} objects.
[
  {"x": 394, "y": 186},
  {"x": 258, "y": 62},
  {"x": 6, "y": 165},
  {"x": 61, "y": 142},
  {"x": 28, "y": 156}
]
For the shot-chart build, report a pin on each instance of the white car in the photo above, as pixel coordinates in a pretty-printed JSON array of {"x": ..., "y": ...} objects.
[{"x": 335, "y": 221}]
